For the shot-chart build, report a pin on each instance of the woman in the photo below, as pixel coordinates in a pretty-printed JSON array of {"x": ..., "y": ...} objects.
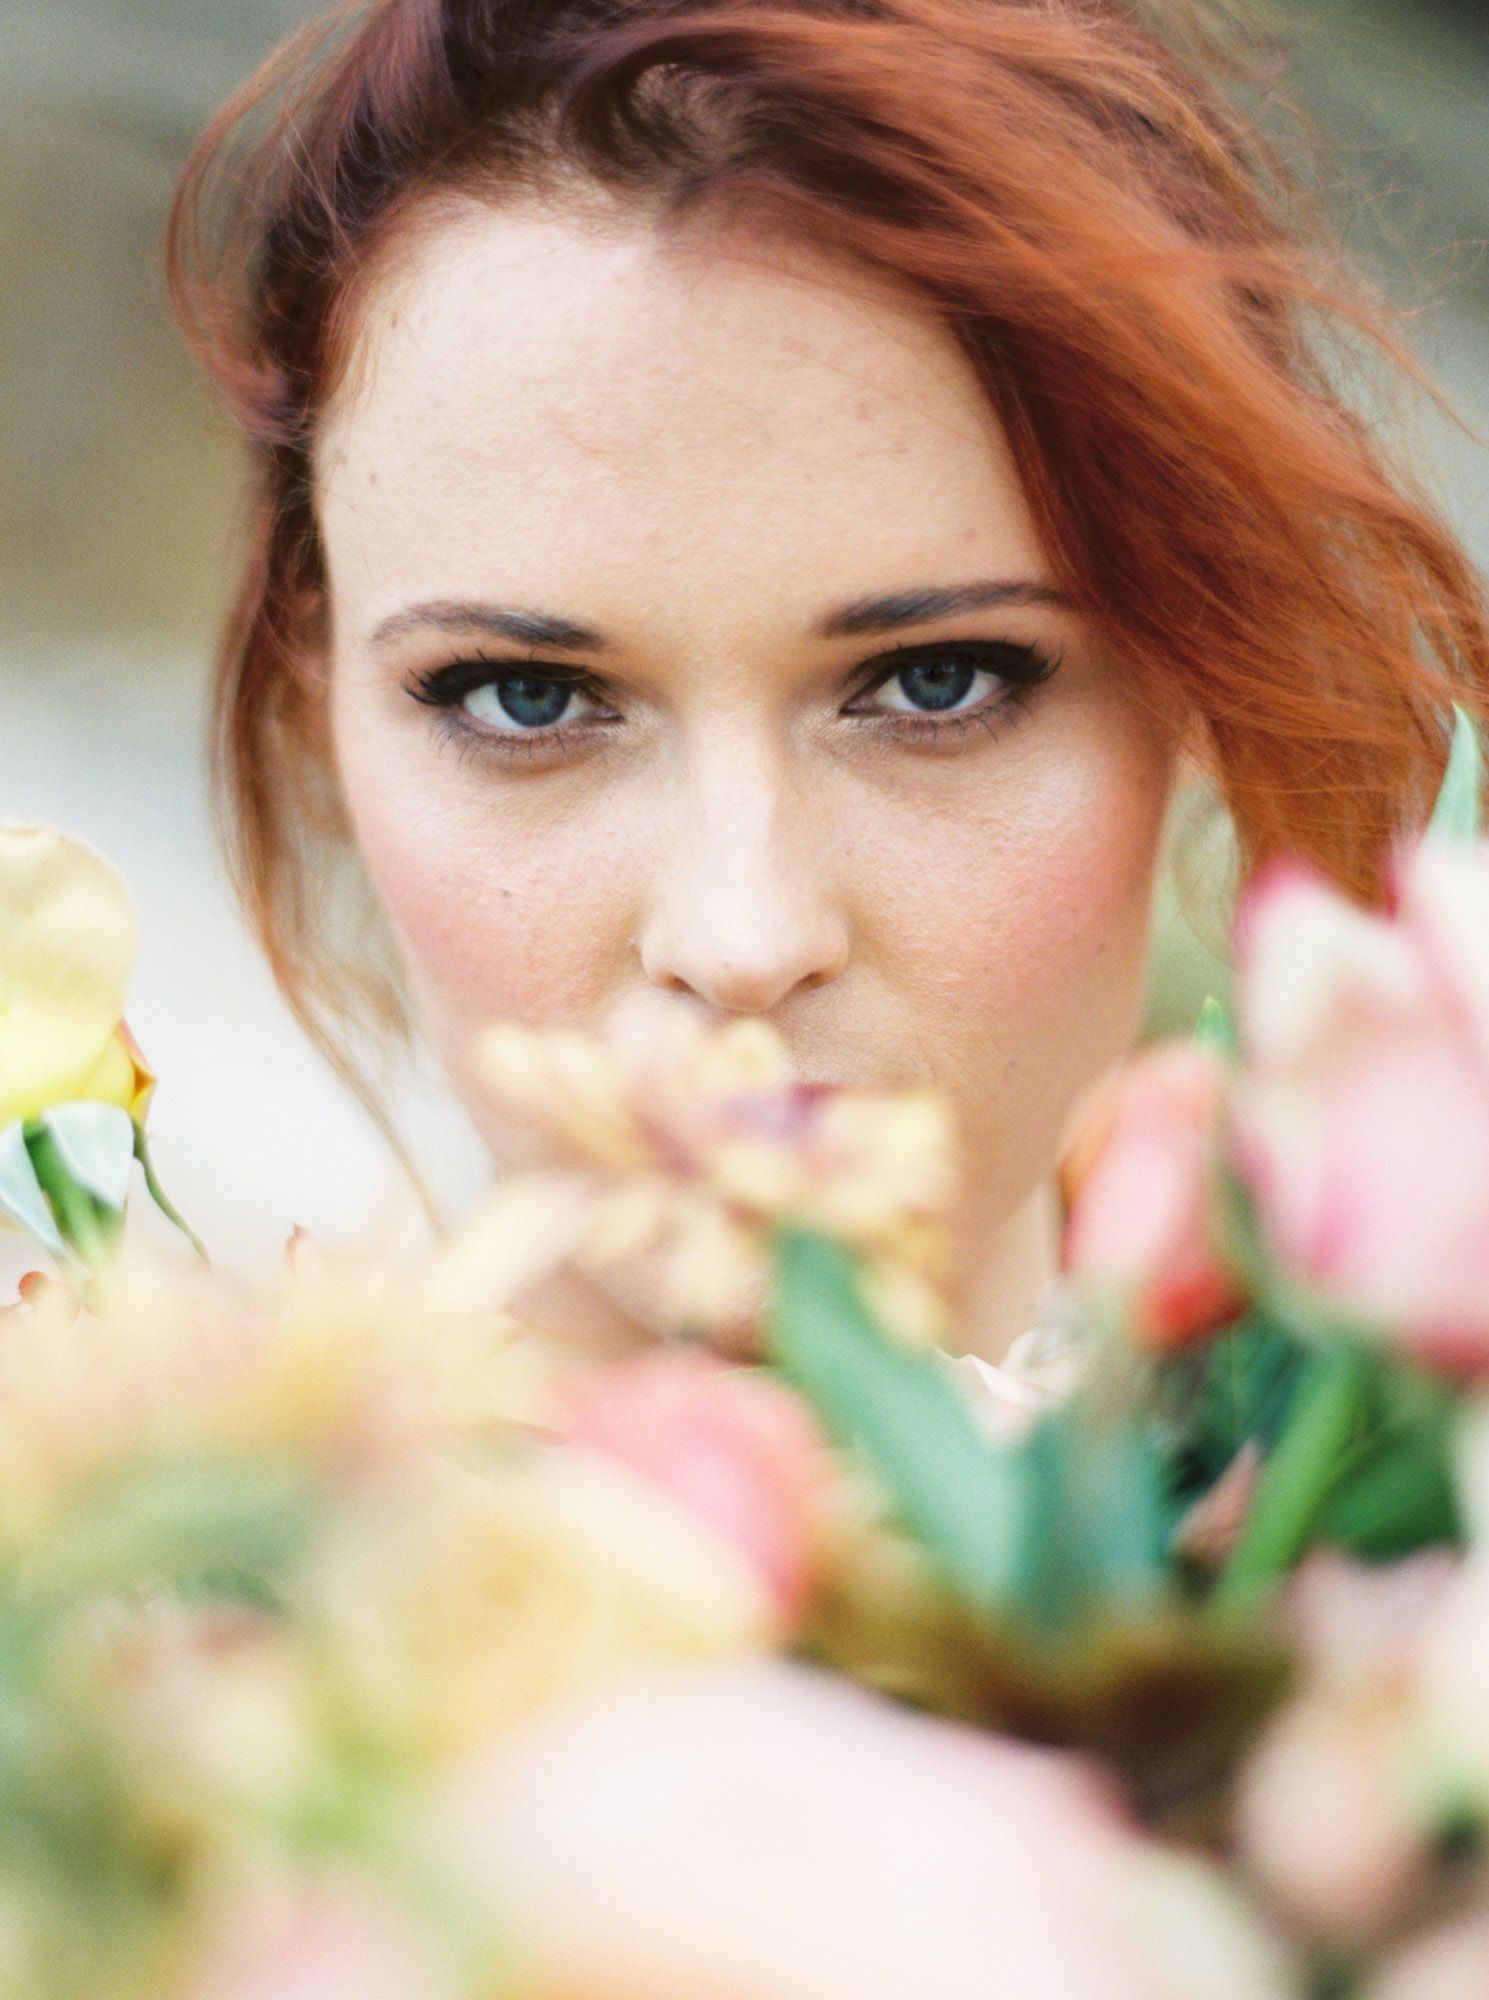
[
  {"x": 752, "y": 503},
  {"x": 755, "y": 505}
]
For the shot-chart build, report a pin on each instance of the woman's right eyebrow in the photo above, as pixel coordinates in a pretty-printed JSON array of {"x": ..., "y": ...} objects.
[{"x": 495, "y": 621}]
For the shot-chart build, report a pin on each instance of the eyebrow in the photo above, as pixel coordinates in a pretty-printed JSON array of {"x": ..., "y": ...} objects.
[
  {"x": 525, "y": 628},
  {"x": 889, "y": 613},
  {"x": 922, "y": 607}
]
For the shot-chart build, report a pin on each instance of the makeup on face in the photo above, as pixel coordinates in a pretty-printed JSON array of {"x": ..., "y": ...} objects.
[{"x": 690, "y": 631}]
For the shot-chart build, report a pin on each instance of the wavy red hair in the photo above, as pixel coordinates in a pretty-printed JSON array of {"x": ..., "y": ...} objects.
[{"x": 1108, "y": 240}]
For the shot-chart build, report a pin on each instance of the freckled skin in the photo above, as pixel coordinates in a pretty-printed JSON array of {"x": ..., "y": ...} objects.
[{"x": 698, "y": 445}]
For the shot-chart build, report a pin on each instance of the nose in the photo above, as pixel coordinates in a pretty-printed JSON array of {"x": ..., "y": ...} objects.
[{"x": 741, "y": 913}]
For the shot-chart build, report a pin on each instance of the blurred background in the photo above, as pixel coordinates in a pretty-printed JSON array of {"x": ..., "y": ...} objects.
[{"x": 119, "y": 508}]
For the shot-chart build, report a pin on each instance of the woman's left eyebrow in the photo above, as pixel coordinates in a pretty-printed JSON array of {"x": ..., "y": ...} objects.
[{"x": 921, "y": 607}]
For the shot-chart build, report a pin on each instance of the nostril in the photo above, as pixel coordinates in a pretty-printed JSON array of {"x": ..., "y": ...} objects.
[
  {"x": 734, "y": 984},
  {"x": 741, "y": 928}
]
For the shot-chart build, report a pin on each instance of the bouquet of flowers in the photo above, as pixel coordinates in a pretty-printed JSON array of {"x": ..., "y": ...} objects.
[{"x": 358, "y": 1639}]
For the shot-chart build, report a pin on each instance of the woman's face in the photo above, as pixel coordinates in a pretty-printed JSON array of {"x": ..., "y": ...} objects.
[{"x": 690, "y": 632}]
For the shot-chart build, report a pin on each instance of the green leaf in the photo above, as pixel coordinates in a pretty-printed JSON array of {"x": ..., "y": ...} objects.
[
  {"x": 1303, "y": 1472},
  {"x": 1401, "y": 1500},
  {"x": 95, "y": 1144},
  {"x": 1237, "y": 1389},
  {"x": 89, "y": 1227},
  {"x": 964, "y": 1497},
  {"x": 182, "y": 1519},
  {"x": 1215, "y": 1029},
  {"x": 21, "y": 1196},
  {"x": 1458, "y": 814},
  {"x": 1397, "y": 1492},
  {"x": 1097, "y": 1549}
]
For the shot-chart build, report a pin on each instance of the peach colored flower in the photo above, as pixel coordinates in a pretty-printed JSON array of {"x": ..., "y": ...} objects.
[
  {"x": 736, "y": 1447},
  {"x": 458, "y": 1601},
  {"x": 350, "y": 1366},
  {"x": 451, "y": 1566},
  {"x": 1140, "y": 1182},
  {"x": 1362, "y": 1116},
  {"x": 695, "y": 1141}
]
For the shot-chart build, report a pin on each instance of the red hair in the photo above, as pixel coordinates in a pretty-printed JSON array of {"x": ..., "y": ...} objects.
[{"x": 1108, "y": 241}]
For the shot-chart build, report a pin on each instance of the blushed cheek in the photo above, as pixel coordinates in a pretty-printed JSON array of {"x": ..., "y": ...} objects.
[
  {"x": 1038, "y": 979},
  {"x": 493, "y": 919}
]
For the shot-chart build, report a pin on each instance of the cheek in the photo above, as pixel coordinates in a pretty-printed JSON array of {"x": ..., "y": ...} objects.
[
  {"x": 493, "y": 895},
  {"x": 1021, "y": 944}
]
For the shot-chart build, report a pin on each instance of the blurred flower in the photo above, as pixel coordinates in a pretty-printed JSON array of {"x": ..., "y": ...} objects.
[
  {"x": 1330, "y": 1808},
  {"x": 1362, "y": 1114},
  {"x": 322, "y": 1937},
  {"x": 350, "y": 1368},
  {"x": 68, "y": 940},
  {"x": 275, "y": 1562},
  {"x": 696, "y": 1141},
  {"x": 464, "y": 1566},
  {"x": 213, "y": 1707},
  {"x": 736, "y": 1447},
  {"x": 460, "y": 1601},
  {"x": 1448, "y": 1962},
  {"x": 1038, "y": 1373},
  {"x": 1210, "y": 1527},
  {"x": 1453, "y": 1719},
  {"x": 764, "y": 1831},
  {"x": 1139, "y": 1177}
]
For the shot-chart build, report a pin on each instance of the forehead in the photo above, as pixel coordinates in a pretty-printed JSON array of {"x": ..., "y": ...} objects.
[{"x": 564, "y": 401}]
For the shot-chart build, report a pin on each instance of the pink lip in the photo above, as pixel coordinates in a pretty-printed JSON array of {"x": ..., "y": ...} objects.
[{"x": 783, "y": 1115}]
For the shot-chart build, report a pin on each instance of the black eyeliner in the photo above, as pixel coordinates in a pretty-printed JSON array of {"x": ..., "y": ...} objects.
[
  {"x": 1021, "y": 667},
  {"x": 448, "y": 686}
]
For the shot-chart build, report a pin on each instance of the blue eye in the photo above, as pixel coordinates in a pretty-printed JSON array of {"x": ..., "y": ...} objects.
[
  {"x": 937, "y": 684},
  {"x": 517, "y": 702},
  {"x": 971, "y": 677}
]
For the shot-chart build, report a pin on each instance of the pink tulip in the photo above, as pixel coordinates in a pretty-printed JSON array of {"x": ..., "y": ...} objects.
[
  {"x": 1362, "y": 1121},
  {"x": 1140, "y": 1180},
  {"x": 736, "y": 1448}
]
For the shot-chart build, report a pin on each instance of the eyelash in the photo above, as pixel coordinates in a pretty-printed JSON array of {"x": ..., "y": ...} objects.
[{"x": 1022, "y": 669}]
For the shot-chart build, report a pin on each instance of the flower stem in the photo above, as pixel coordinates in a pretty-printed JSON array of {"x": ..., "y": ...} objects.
[
  {"x": 159, "y": 1197},
  {"x": 1299, "y": 1475}
]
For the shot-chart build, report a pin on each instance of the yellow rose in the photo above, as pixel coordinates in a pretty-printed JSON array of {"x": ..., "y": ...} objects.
[{"x": 68, "y": 940}]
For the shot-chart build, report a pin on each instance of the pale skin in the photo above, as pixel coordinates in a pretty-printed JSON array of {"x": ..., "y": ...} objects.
[{"x": 723, "y": 479}]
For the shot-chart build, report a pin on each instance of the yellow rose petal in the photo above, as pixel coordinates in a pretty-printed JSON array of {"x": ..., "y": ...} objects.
[
  {"x": 113, "y": 1079},
  {"x": 68, "y": 940}
]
